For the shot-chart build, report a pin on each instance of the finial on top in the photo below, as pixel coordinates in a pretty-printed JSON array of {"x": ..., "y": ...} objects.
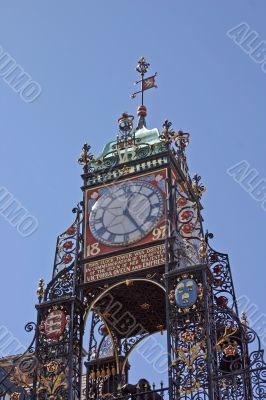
[
  {"x": 146, "y": 83},
  {"x": 142, "y": 66},
  {"x": 244, "y": 318},
  {"x": 86, "y": 158},
  {"x": 40, "y": 290}
]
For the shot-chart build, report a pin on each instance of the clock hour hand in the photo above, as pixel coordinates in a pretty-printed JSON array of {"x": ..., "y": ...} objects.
[{"x": 129, "y": 216}]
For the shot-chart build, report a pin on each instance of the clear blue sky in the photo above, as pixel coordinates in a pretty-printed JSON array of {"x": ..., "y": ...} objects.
[{"x": 83, "y": 55}]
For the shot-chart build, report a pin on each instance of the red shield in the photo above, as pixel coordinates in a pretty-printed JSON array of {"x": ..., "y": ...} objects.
[{"x": 54, "y": 324}]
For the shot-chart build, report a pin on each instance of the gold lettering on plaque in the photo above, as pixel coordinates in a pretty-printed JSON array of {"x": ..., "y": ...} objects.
[{"x": 124, "y": 263}]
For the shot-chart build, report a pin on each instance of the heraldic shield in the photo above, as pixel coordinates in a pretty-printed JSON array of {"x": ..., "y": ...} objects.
[{"x": 186, "y": 293}]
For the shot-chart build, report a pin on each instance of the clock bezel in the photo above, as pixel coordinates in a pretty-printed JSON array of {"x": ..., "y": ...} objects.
[{"x": 159, "y": 216}]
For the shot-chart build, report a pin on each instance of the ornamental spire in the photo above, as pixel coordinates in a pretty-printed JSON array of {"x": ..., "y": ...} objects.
[{"x": 146, "y": 83}]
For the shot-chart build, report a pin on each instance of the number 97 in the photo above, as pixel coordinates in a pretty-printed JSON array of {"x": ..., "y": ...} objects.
[{"x": 159, "y": 233}]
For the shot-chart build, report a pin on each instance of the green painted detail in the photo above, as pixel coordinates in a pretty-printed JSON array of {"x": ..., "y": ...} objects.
[
  {"x": 147, "y": 142},
  {"x": 144, "y": 135}
]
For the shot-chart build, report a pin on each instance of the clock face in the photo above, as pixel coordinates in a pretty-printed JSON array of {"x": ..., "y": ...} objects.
[{"x": 126, "y": 213}]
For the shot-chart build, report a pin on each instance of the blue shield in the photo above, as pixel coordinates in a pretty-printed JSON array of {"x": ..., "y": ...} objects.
[{"x": 186, "y": 293}]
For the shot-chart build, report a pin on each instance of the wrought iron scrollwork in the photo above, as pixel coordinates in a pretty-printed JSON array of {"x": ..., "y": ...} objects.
[
  {"x": 258, "y": 375},
  {"x": 17, "y": 377},
  {"x": 190, "y": 338},
  {"x": 66, "y": 271},
  {"x": 68, "y": 244},
  {"x": 188, "y": 216},
  {"x": 238, "y": 374},
  {"x": 106, "y": 348},
  {"x": 58, "y": 349},
  {"x": 140, "y": 151},
  {"x": 93, "y": 340},
  {"x": 223, "y": 288},
  {"x": 176, "y": 142},
  {"x": 186, "y": 227},
  {"x": 61, "y": 285}
]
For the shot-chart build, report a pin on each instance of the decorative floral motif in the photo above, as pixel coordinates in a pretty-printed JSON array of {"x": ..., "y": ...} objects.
[
  {"x": 145, "y": 306},
  {"x": 15, "y": 396},
  {"x": 221, "y": 301},
  {"x": 230, "y": 351},
  {"x": 52, "y": 366},
  {"x": 182, "y": 201},
  {"x": 54, "y": 385},
  {"x": 188, "y": 337},
  {"x": 186, "y": 215},
  {"x": 68, "y": 245},
  {"x": 190, "y": 355},
  {"x": 67, "y": 258},
  {"x": 71, "y": 230},
  {"x": 187, "y": 228},
  {"x": 217, "y": 269}
]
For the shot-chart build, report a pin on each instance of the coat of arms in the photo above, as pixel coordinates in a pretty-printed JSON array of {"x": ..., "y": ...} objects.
[
  {"x": 186, "y": 293},
  {"x": 55, "y": 324}
]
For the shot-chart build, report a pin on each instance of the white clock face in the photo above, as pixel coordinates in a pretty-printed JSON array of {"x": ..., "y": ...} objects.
[{"x": 126, "y": 213}]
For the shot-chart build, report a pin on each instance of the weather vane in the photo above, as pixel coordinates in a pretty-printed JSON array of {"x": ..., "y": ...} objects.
[{"x": 147, "y": 83}]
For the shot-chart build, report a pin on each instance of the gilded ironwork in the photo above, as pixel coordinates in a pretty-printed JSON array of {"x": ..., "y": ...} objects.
[
  {"x": 53, "y": 384},
  {"x": 125, "y": 123},
  {"x": 198, "y": 187},
  {"x": 203, "y": 249},
  {"x": 40, "y": 290},
  {"x": 86, "y": 158}
]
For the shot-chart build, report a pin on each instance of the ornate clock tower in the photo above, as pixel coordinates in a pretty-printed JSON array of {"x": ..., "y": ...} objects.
[{"x": 137, "y": 261}]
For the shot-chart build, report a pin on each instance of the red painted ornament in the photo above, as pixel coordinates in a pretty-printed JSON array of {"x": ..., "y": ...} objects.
[
  {"x": 68, "y": 245},
  {"x": 187, "y": 228},
  {"x": 67, "y": 258},
  {"x": 218, "y": 282},
  {"x": 103, "y": 330},
  {"x": 71, "y": 230},
  {"x": 218, "y": 269},
  {"x": 222, "y": 301},
  {"x": 181, "y": 202},
  {"x": 214, "y": 257},
  {"x": 230, "y": 351},
  {"x": 186, "y": 215}
]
